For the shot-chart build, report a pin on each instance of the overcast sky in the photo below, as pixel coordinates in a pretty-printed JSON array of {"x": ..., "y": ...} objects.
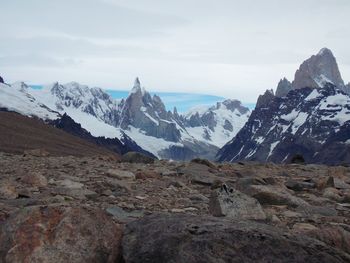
[{"x": 232, "y": 48}]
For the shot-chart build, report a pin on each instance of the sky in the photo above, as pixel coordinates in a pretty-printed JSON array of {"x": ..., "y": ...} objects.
[{"x": 231, "y": 48}]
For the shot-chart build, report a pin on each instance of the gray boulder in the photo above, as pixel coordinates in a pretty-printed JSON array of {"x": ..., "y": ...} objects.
[
  {"x": 193, "y": 239},
  {"x": 234, "y": 204}
]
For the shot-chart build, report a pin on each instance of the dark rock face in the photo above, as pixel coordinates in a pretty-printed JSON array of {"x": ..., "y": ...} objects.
[
  {"x": 314, "y": 123},
  {"x": 186, "y": 238},
  {"x": 284, "y": 86},
  {"x": 60, "y": 234},
  {"x": 1, "y": 80},
  {"x": 318, "y": 70},
  {"x": 122, "y": 146},
  {"x": 265, "y": 99}
]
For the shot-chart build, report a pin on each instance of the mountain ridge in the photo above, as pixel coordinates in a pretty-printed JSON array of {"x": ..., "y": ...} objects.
[{"x": 313, "y": 122}]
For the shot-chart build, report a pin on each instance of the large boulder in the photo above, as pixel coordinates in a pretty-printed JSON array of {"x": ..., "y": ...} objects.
[
  {"x": 59, "y": 234},
  {"x": 186, "y": 238},
  {"x": 234, "y": 204}
]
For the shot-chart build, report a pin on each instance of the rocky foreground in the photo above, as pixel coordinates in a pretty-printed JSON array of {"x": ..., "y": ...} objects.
[{"x": 97, "y": 209}]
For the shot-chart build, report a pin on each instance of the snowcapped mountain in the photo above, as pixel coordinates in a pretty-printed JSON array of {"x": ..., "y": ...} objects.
[
  {"x": 17, "y": 98},
  {"x": 311, "y": 121},
  {"x": 217, "y": 124},
  {"x": 140, "y": 118},
  {"x": 315, "y": 72}
]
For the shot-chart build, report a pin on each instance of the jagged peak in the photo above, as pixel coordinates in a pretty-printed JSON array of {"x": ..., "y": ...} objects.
[
  {"x": 325, "y": 51},
  {"x": 318, "y": 70},
  {"x": 269, "y": 91},
  {"x": 265, "y": 99},
  {"x": 1, "y": 80},
  {"x": 284, "y": 80},
  {"x": 137, "y": 87},
  {"x": 283, "y": 87}
]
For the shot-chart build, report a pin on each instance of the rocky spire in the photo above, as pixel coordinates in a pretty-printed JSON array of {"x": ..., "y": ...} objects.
[
  {"x": 137, "y": 82},
  {"x": 1, "y": 80},
  {"x": 263, "y": 100},
  {"x": 284, "y": 86},
  {"x": 137, "y": 87},
  {"x": 318, "y": 70}
]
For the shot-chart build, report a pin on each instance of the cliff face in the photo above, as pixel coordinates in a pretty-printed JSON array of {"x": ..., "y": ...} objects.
[{"x": 318, "y": 70}]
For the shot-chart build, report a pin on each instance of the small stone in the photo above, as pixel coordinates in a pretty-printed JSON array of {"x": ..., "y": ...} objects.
[
  {"x": 8, "y": 191},
  {"x": 121, "y": 175},
  {"x": 299, "y": 186},
  {"x": 71, "y": 184},
  {"x": 107, "y": 192},
  {"x": 177, "y": 210},
  {"x": 303, "y": 227},
  {"x": 190, "y": 209},
  {"x": 140, "y": 197},
  {"x": 332, "y": 193},
  {"x": 170, "y": 173},
  {"x": 275, "y": 219},
  {"x": 199, "y": 198}
]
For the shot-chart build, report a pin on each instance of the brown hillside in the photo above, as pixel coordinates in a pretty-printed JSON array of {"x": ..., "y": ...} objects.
[{"x": 19, "y": 133}]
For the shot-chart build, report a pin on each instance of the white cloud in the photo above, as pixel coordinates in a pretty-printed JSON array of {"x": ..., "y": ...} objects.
[{"x": 232, "y": 48}]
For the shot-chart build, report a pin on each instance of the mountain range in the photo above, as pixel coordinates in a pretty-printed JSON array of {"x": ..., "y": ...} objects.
[
  {"x": 308, "y": 117},
  {"x": 140, "y": 122}
]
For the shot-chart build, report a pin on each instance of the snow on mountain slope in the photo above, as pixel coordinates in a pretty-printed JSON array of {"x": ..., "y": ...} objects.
[
  {"x": 93, "y": 101},
  {"x": 140, "y": 116},
  {"x": 17, "y": 98},
  {"x": 314, "y": 124},
  {"x": 310, "y": 117},
  {"x": 217, "y": 124}
]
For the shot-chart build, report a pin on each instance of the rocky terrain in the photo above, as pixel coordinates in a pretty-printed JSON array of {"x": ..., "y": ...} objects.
[{"x": 98, "y": 209}]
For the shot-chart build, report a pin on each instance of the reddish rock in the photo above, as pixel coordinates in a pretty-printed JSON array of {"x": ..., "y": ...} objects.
[
  {"x": 35, "y": 179},
  {"x": 60, "y": 234}
]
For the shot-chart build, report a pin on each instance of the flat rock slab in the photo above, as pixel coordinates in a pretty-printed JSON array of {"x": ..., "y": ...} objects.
[{"x": 193, "y": 239}]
